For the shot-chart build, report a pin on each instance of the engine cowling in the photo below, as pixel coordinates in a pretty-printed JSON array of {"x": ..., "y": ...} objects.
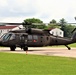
[{"x": 34, "y": 31}]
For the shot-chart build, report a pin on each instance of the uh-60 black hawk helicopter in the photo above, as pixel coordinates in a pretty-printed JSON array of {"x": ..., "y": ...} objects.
[{"x": 31, "y": 37}]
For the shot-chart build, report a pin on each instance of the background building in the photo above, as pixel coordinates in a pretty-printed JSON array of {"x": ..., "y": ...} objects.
[
  {"x": 5, "y": 29},
  {"x": 57, "y": 32}
]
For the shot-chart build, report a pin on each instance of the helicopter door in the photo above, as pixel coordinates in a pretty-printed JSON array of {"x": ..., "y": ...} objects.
[{"x": 23, "y": 40}]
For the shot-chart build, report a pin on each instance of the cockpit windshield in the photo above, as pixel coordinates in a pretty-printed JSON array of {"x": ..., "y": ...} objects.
[
  {"x": 7, "y": 36},
  {"x": 2, "y": 36}
]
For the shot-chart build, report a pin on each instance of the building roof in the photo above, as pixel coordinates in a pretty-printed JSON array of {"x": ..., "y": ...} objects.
[{"x": 7, "y": 27}]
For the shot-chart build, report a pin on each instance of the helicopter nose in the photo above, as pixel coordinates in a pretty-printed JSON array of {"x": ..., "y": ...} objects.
[{"x": 0, "y": 42}]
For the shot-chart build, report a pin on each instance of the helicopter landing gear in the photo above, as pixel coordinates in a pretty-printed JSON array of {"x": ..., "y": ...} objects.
[
  {"x": 12, "y": 48},
  {"x": 68, "y": 47},
  {"x": 25, "y": 48}
]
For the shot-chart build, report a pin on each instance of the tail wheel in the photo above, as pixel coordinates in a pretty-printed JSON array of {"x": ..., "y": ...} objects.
[
  {"x": 12, "y": 48},
  {"x": 25, "y": 48}
]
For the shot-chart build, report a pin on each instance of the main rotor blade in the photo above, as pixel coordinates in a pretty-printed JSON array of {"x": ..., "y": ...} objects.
[
  {"x": 1, "y": 23},
  {"x": 71, "y": 23},
  {"x": 4, "y": 23},
  {"x": 38, "y": 23}
]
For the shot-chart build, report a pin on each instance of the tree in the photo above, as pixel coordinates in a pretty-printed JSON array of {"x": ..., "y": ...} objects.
[
  {"x": 68, "y": 30},
  {"x": 37, "y": 23},
  {"x": 33, "y": 20},
  {"x": 63, "y": 23},
  {"x": 53, "y": 24},
  {"x": 53, "y": 21}
]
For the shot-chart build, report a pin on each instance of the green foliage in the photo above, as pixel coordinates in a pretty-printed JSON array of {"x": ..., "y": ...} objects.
[
  {"x": 22, "y": 64},
  {"x": 52, "y": 25},
  {"x": 62, "y": 46},
  {"x": 35, "y": 21},
  {"x": 73, "y": 45},
  {"x": 68, "y": 29},
  {"x": 53, "y": 21},
  {"x": 41, "y": 26},
  {"x": 62, "y": 24}
]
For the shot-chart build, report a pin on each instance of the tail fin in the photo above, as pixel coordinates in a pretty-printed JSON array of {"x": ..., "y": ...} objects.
[
  {"x": 73, "y": 30},
  {"x": 74, "y": 37}
]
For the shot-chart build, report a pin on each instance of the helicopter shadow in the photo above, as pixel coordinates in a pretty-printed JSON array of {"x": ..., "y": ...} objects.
[
  {"x": 21, "y": 50},
  {"x": 35, "y": 50}
]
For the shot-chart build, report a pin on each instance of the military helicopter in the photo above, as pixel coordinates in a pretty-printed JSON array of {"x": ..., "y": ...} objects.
[{"x": 31, "y": 37}]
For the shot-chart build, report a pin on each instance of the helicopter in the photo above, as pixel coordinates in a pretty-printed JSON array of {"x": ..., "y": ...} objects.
[{"x": 32, "y": 37}]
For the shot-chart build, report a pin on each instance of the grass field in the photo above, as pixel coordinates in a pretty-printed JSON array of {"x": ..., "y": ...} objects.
[
  {"x": 73, "y": 45},
  {"x": 22, "y": 64},
  {"x": 62, "y": 46}
]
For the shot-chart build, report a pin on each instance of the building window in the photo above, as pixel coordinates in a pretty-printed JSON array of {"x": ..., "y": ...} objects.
[
  {"x": 1, "y": 31},
  {"x": 7, "y": 30},
  {"x": 60, "y": 33},
  {"x": 52, "y": 32}
]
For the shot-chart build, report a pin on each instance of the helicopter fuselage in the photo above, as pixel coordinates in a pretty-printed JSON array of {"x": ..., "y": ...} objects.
[
  {"x": 18, "y": 39},
  {"x": 33, "y": 38}
]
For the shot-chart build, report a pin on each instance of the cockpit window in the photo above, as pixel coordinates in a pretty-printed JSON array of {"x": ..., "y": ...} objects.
[
  {"x": 2, "y": 35},
  {"x": 7, "y": 37}
]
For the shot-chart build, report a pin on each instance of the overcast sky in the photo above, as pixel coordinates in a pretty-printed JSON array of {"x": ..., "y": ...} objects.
[{"x": 46, "y": 10}]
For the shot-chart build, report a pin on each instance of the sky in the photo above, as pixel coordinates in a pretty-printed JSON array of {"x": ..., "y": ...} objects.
[{"x": 45, "y": 10}]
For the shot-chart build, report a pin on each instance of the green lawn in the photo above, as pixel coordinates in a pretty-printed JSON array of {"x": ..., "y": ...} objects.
[
  {"x": 62, "y": 46},
  {"x": 73, "y": 45},
  {"x": 22, "y": 64}
]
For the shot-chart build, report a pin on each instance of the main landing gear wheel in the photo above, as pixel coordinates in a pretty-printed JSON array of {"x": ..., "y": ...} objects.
[
  {"x": 12, "y": 48},
  {"x": 25, "y": 48}
]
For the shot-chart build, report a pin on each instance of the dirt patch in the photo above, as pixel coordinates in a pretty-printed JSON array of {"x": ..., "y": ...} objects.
[{"x": 45, "y": 51}]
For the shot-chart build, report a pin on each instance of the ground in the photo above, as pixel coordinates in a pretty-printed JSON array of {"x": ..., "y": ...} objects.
[{"x": 45, "y": 51}]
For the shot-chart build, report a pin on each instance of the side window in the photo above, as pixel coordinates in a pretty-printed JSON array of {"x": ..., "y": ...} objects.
[
  {"x": 2, "y": 36},
  {"x": 52, "y": 32},
  {"x": 29, "y": 37},
  {"x": 12, "y": 37},
  {"x": 60, "y": 33},
  {"x": 47, "y": 38},
  {"x": 35, "y": 38}
]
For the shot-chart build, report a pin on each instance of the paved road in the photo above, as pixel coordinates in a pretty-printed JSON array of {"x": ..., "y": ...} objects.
[{"x": 45, "y": 51}]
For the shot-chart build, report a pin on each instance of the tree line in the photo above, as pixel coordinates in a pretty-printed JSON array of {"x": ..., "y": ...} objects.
[{"x": 62, "y": 24}]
